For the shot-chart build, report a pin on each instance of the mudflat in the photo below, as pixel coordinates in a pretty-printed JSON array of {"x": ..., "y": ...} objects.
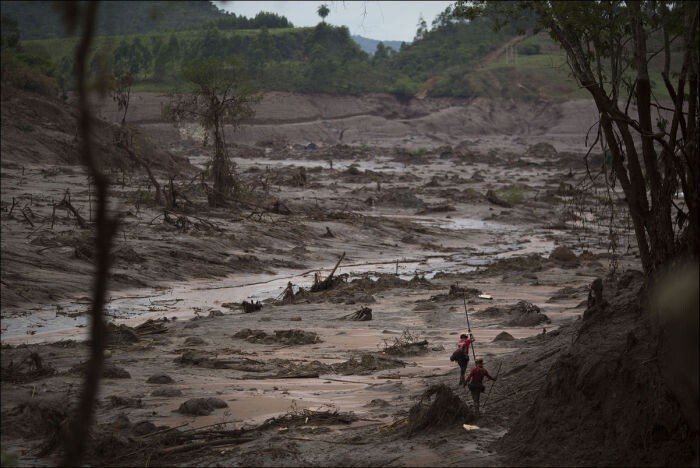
[{"x": 440, "y": 207}]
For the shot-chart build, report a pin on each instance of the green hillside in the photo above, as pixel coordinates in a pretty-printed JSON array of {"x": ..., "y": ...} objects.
[{"x": 40, "y": 19}]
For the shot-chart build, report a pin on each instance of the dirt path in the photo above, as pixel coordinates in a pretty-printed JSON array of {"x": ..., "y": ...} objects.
[{"x": 493, "y": 56}]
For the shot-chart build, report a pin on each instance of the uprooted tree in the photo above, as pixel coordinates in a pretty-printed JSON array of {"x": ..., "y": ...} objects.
[
  {"x": 220, "y": 94},
  {"x": 653, "y": 146}
]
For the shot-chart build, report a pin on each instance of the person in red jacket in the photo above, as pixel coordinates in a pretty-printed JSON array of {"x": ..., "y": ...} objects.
[
  {"x": 475, "y": 381},
  {"x": 461, "y": 355}
]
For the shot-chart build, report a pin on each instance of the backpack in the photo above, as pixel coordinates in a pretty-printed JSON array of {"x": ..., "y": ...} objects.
[{"x": 457, "y": 354}]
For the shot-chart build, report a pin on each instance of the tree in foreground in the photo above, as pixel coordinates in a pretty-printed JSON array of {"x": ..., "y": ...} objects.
[
  {"x": 653, "y": 145},
  {"x": 220, "y": 93}
]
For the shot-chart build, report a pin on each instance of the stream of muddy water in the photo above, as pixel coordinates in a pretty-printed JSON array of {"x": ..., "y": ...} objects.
[{"x": 69, "y": 319}]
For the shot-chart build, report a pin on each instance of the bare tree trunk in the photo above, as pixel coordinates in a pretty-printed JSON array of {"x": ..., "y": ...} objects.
[
  {"x": 221, "y": 170},
  {"x": 79, "y": 425}
]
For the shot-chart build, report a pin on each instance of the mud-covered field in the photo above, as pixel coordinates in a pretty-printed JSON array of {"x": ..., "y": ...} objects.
[{"x": 436, "y": 208}]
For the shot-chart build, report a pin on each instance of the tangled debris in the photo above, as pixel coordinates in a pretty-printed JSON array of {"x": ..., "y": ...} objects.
[
  {"x": 406, "y": 345},
  {"x": 438, "y": 407},
  {"x": 30, "y": 368},
  {"x": 362, "y": 315},
  {"x": 307, "y": 416}
]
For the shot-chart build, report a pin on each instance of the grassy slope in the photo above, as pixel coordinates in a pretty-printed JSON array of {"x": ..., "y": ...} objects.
[{"x": 543, "y": 75}]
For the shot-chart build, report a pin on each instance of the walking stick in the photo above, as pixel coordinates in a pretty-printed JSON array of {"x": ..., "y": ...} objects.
[
  {"x": 469, "y": 328},
  {"x": 494, "y": 383}
]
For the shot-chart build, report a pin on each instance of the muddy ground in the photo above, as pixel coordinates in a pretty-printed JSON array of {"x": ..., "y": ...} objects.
[{"x": 423, "y": 199}]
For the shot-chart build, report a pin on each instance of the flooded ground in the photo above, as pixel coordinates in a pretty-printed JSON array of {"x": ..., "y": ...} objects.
[{"x": 413, "y": 225}]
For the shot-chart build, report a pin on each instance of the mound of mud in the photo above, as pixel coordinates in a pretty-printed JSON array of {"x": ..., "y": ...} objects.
[
  {"x": 541, "y": 150},
  {"x": 201, "y": 406},
  {"x": 109, "y": 371},
  {"x": 366, "y": 364},
  {"x": 37, "y": 417},
  {"x": 438, "y": 407},
  {"x": 120, "y": 335},
  {"x": 503, "y": 336},
  {"x": 400, "y": 197},
  {"x": 532, "y": 262},
  {"x": 612, "y": 397},
  {"x": 457, "y": 292},
  {"x": 522, "y": 314},
  {"x": 282, "y": 337},
  {"x": 564, "y": 255}
]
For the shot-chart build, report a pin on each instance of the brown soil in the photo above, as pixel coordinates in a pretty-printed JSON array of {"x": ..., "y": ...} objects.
[{"x": 401, "y": 190}]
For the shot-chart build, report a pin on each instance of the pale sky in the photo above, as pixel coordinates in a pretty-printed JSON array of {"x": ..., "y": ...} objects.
[{"x": 386, "y": 21}]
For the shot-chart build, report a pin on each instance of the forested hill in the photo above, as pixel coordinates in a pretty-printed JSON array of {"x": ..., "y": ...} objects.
[
  {"x": 40, "y": 20},
  {"x": 370, "y": 45},
  {"x": 450, "y": 57}
]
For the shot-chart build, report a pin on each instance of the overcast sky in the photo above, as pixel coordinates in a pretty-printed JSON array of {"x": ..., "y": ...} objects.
[{"x": 386, "y": 21}]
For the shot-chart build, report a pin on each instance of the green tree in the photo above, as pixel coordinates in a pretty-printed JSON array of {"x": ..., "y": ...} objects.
[
  {"x": 609, "y": 46},
  {"x": 220, "y": 93},
  {"x": 323, "y": 11}
]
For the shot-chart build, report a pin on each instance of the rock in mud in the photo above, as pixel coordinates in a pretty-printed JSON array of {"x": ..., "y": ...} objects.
[
  {"x": 563, "y": 254},
  {"x": 121, "y": 334},
  {"x": 504, "y": 336},
  {"x": 124, "y": 402},
  {"x": 201, "y": 406},
  {"x": 542, "y": 150},
  {"x": 143, "y": 427},
  {"x": 160, "y": 379},
  {"x": 109, "y": 371},
  {"x": 216, "y": 313},
  {"x": 194, "y": 341},
  {"x": 522, "y": 314},
  {"x": 496, "y": 200},
  {"x": 167, "y": 392},
  {"x": 201, "y": 359}
]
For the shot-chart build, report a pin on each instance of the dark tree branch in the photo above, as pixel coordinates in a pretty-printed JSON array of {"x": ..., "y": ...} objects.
[{"x": 80, "y": 423}]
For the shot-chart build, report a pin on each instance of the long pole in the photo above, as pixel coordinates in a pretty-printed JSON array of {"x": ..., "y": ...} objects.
[
  {"x": 494, "y": 383},
  {"x": 469, "y": 327}
]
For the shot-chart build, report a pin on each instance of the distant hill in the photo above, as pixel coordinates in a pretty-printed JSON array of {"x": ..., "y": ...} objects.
[
  {"x": 39, "y": 19},
  {"x": 370, "y": 45}
]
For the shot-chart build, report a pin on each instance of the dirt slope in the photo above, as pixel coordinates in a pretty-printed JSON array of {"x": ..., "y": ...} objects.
[{"x": 607, "y": 399}]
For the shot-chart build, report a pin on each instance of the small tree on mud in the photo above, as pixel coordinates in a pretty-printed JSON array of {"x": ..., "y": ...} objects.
[
  {"x": 121, "y": 92},
  {"x": 609, "y": 47},
  {"x": 220, "y": 94}
]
